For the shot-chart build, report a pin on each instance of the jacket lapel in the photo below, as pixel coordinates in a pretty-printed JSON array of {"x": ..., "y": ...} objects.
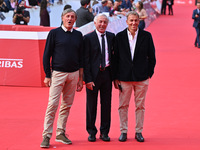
[
  {"x": 108, "y": 43},
  {"x": 139, "y": 40},
  {"x": 96, "y": 39}
]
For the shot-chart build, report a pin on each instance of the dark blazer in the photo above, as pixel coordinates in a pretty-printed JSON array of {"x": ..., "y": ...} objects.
[
  {"x": 196, "y": 20},
  {"x": 92, "y": 54},
  {"x": 142, "y": 66}
]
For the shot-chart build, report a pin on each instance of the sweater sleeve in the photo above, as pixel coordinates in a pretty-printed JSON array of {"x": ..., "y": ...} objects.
[{"x": 48, "y": 52}]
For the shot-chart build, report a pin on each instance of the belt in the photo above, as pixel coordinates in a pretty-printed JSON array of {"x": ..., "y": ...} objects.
[{"x": 104, "y": 69}]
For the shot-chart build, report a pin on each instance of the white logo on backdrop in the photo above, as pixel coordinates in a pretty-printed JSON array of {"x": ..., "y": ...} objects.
[{"x": 11, "y": 63}]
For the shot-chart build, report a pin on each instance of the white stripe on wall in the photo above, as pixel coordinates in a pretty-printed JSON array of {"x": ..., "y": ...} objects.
[{"x": 23, "y": 35}]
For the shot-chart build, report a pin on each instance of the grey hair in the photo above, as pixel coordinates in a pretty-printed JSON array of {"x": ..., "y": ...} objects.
[
  {"x": 68, "y": 11},
  {"x": 132, "y": 13},
  {"x": 97, "y": 16}
]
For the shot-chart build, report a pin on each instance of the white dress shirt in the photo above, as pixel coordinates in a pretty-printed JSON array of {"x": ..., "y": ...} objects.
[
  {"x": 107, "y": 63},
  {"x": 132, "y": 42}
]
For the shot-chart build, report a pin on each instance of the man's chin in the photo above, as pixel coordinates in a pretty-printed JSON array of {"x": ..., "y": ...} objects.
[
  {"x": 102, "y": 30},
  {"x": 69, "y": 26},
  {"x": 135, "y": 29}
]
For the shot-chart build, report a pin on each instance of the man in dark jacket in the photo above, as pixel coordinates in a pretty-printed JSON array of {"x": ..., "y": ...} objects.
[
  {"x": 196, "y": 24},
  {"x": 134, "y": 62},
  {"x": 98, "y": 52}
]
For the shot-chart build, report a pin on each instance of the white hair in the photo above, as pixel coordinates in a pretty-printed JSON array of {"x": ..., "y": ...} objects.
[{"x": 101, "y": 14}]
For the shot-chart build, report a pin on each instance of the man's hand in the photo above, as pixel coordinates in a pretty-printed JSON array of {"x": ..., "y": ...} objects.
[
  {"x": 90, "y": 85},
  {"x": 47, "y": 82},
  {"x": 79, "y": 86},
  {"x": 90, "y": 9},
  {"x": 116, "y": 83},
  {"x": 19, "y": 15}
]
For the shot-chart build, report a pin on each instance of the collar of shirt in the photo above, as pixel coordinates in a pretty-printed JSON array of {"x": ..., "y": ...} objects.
[
  {"x": 100, "y": 38},
  {"x": 130, "y": 36},
  {"x": 99, "y": 34},
  {"x": 65, "y": 29}
]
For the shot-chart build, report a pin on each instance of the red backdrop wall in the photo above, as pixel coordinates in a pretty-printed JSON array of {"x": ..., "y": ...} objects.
[{"x": 21, "y": 54}]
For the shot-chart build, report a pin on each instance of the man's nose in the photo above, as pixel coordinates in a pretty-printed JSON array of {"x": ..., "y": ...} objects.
[{"x": 134, "y": 22}]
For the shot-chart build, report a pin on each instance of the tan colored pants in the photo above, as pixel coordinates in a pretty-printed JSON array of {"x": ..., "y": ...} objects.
[
  {"x": 64, "y": 84},
  {"x": 140, "y": 89}
]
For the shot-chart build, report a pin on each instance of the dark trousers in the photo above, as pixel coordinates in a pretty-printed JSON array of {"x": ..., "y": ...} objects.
[
  {"x": 103, "y": 84},
  {"x": 163, "y": 9},
  {"x": 170, "y": 9}
]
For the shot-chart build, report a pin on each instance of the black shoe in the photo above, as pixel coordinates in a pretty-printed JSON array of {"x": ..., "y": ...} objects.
[
  {"x": 139, "y": 137},
  {"x": 92, "y": 138},
  {"x": 123, "y": 137},
  {"x": 105, "y": 137}
]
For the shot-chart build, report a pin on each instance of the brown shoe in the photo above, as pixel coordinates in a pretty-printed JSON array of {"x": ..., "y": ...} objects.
[
  {"x": 63, "y": 139},
  {"x": 45, "y": 142}
]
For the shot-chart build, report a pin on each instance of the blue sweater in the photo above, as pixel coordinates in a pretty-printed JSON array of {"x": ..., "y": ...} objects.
[{"x": 65, "y": 50}]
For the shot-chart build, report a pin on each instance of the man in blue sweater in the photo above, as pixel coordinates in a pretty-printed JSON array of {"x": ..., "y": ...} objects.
[{"x": 64, "y": 75}]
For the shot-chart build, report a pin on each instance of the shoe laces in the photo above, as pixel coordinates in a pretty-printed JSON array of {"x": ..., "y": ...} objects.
[
  {"x": 46, "y": 138},
  {"x": 65, "y": 135}
]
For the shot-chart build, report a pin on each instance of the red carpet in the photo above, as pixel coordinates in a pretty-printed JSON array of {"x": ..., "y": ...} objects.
[{"x": 172, "y": 117}]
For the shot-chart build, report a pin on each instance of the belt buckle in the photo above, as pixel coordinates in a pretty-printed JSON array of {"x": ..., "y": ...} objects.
[{"x": 102, "y": 69}]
